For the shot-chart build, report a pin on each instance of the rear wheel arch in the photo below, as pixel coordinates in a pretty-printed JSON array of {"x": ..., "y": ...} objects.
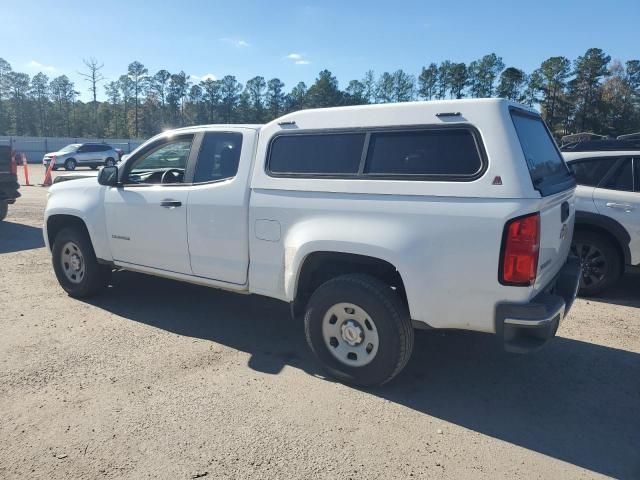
[{"x": 321, "y": 266}]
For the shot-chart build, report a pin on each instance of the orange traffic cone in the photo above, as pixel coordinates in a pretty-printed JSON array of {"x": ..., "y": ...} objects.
[
  {"x": 48, "y": 181},
  {"x": 25, "y": 166}
]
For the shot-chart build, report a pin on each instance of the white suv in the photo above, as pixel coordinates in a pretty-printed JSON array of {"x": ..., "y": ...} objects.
[
  {"x": 82, "y": 155},
  {"x": 369, "y": 221},
  {"x": 607, "y": 231}
]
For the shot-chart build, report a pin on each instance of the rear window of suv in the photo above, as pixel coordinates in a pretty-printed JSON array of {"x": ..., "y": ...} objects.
[{"x": 549, "y": 172}]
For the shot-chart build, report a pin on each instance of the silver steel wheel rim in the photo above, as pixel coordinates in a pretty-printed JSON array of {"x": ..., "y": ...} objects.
[
  {"x": 72, "y": 262},
  {"x": 594, "y": 264},
  {"x": 350, "y": 334}
]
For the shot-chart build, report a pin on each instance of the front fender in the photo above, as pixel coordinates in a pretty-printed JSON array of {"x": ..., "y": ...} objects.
[{"x": 83, "y": 199}]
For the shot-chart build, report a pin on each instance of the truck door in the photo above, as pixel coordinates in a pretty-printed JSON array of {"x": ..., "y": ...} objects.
[
  {"x": 218, "y": 208},
  {"x": 147, "y": 216}
]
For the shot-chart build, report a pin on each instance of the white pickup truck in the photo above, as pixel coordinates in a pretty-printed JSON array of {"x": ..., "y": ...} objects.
[{"x": 370, "y": 221}]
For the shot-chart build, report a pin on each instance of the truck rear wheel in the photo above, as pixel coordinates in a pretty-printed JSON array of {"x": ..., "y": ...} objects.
[
  {"x": 75, "y": 264},
  {"x": 359, "y": 330}
]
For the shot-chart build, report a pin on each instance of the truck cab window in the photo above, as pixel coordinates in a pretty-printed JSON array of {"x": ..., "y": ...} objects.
[
  {"x": 164, "y": 164},
  {"x": 218, "y": 157}
]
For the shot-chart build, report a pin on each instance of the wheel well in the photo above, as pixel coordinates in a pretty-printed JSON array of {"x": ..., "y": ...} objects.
[
  {"x": 601, "y": 231},
  {"x": 320, "y": 267},
  {"x": 56, "y": 223}
]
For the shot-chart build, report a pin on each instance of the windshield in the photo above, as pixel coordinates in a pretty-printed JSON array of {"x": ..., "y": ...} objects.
[
  {"x": 548, "y": 170},
  {"x": 70, "y": 148}
]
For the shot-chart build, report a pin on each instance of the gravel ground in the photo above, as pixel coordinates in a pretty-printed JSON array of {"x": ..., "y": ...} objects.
[{"x": 158, "y": 379}]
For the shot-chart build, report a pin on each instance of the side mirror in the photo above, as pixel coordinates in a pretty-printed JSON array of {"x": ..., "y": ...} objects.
[{"x": 108, "y": 176}]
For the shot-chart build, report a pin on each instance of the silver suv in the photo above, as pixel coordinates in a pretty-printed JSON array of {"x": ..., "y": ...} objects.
[{"x": 82, "y": 154}]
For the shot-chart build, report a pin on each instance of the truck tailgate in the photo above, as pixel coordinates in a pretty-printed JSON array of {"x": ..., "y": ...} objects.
[{"x": 557, "y": 215}]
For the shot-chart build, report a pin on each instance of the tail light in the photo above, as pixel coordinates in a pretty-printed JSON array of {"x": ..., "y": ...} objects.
[
  {"x": 520, "y": 248},
  {"x": 14, "y": 166}
]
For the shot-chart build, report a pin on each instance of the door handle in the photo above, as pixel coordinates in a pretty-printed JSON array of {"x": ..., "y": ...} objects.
[
  {"x": 620, "y": 206},
  {"x": 168, "y": 203}
]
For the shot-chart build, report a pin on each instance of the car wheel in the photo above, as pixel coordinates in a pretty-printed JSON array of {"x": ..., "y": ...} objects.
[
  {"x": 601, "y": 263},
  {"x": 359, "y": 330},
  {"x": 109, "y": 162},
  {"x": 94, "y": 167},
  {"x": 76, "y": 266},
  {"x": 70, "y": 164},
  {"x": 4, "y": 209}
]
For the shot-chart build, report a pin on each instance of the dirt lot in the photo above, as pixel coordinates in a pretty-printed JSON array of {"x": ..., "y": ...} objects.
[{"x": 157, "y": 379}]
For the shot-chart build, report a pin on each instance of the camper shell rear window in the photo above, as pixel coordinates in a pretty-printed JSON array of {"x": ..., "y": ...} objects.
[{"x": 549, "y": 172}]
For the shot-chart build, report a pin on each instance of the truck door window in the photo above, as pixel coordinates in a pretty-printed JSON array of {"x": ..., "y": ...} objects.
[
  {"x": 164, "y": 163},
  {"x": 218, "y": 157}
]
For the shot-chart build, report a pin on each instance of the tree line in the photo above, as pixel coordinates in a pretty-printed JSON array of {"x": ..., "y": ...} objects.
[{"x": 590, "y": 93}]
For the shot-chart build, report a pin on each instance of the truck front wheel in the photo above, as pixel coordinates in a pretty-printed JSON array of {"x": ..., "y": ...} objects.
[
  {"x": 75, "y": 264},
  {"x": 359, "y": 330}
]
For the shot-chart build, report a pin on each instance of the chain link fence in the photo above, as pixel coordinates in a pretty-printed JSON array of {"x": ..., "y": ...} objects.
[{"x": 35, "y": 147}]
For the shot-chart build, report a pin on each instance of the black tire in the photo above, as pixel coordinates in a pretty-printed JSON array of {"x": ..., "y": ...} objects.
[
  {"x": 386, "y": 310},
  {"x": 94, "y": 167},
  {"x": 95, "y": 277},
  {"x": 4, "y": 209},
  {"x": 109, "y": 162},
  {"x": 70, "y": 164},
  {"x": 601, "y": 262}
]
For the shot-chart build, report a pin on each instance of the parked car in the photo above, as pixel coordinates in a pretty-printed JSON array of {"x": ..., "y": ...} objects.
[
  {"x": 82, "y": 154},
  {"x": 607, "y": 231},
  {"x": 9, "y": 185},
  {"x": 369, "y": 221},
  {"x": 601, "y": 145}
]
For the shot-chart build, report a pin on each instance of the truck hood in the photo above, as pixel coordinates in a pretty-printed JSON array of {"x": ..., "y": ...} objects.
[
  {"x": 75, "y": 176},
  {"x": 81, "y": 184}
]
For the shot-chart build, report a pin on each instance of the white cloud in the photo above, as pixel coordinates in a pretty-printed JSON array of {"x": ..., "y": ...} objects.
[
  {"x": 35, "y": 65},
  {"x": 298, "y": 59},
  {"x": 236, "y": 42},
  {"x": 206, "y": 76}
]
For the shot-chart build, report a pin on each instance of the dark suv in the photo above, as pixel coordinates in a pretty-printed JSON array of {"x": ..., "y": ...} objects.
[{"x": 8, "y": 181}]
